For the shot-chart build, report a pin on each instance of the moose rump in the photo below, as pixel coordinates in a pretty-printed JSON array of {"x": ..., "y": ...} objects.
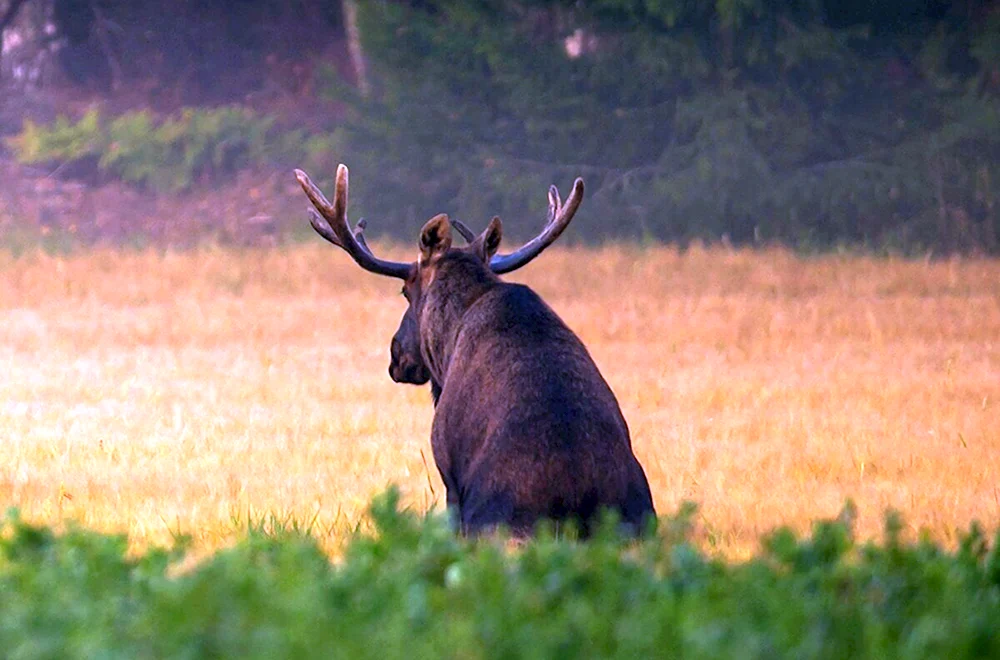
[{"x": 525, "y": 427}]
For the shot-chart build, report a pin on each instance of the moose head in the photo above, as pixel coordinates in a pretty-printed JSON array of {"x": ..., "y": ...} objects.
[{"x": 407, "y": 362}]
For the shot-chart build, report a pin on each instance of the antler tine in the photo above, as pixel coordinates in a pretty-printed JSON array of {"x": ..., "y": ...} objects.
[
  {"x": 559, "y": 217},
  {"x": 555, "y": 203},
  {"x": 462, "y": 229},
  {"x": 331, "y": 223},
  {"x": 359, "y": 234},
  {"x": 322, "y": 228}
]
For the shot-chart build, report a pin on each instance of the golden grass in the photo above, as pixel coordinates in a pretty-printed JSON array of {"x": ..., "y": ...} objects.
[{"x": 152, "y": 393}]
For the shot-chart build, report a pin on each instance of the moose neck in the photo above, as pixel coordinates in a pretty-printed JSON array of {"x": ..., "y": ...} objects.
[{"x": 459, "y": 281}]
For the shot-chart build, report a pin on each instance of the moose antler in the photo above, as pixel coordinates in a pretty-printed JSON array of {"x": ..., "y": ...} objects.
[
  {"x": 462, "y": 229},
  {"x": 558, "y": 219},
  {"x": 331, "y": 223}
]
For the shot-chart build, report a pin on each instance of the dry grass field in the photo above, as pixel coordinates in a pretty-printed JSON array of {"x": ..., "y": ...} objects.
[{"x": 154, "y": 393}]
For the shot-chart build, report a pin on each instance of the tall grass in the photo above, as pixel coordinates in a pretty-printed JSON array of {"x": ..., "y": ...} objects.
[{"x": 212, "y": 392}]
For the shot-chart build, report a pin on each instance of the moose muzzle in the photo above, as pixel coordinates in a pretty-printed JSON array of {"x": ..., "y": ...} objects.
[{"x": 405, "y": 367}]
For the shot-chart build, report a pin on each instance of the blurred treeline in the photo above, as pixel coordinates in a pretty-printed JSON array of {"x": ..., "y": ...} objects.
[{"x": 818, "y": 123}]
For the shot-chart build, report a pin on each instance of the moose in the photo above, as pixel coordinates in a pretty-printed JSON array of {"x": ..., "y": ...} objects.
[{"x": 525, "y": 427}]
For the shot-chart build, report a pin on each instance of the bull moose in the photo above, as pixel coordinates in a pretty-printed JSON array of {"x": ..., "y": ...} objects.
[{"x": 525, "y": 427}]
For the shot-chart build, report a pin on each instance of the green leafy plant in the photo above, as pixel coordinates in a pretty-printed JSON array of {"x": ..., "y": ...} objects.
[
  {"x": 63, "y": 140},
  {"x": 169, "y": 154},
  {"x": 411, "y": 588}
]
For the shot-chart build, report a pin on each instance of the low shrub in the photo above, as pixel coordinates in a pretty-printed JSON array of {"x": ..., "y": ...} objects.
[
  {"x": 169, "y": 154},
  {"x": 412, "y": 589}
]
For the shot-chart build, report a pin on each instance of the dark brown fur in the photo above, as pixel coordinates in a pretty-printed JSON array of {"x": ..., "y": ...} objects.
[
  {"x": 525, "y": 426},
  {"x": 406, "y": 364}
]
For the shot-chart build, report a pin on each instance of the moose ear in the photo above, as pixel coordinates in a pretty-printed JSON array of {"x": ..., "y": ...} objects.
[
  {"x": 435, "y": 238},
  {"x": 488, "y": 242}
]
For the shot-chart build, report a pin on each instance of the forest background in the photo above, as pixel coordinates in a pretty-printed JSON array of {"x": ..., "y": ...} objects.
[{"x": 814, "y": 123}]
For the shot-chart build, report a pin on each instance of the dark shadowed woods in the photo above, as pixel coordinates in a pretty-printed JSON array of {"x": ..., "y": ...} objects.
[{"x": 812, "y": 123}]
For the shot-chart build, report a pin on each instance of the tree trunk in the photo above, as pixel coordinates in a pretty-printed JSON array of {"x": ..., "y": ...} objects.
[
  {"x": 5, "y": 21},
  {"x": 10, "y": 14},
  {"x": 354, "y": 48}
]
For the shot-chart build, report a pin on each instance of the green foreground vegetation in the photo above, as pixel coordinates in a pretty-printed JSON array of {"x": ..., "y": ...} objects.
[{"x": 412, "y": 589}]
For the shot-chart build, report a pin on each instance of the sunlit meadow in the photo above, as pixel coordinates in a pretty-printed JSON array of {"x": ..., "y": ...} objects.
[{"x": 201, "y": 392}]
